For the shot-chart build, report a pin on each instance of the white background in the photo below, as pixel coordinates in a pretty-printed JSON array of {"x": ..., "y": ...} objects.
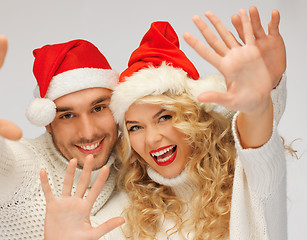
[{"x": 116, "y": 28}]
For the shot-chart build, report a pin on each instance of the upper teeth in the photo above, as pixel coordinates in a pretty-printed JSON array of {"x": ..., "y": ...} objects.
[
  {"x": 90, "y": 147},
  {"x": 157, "y": 154}
]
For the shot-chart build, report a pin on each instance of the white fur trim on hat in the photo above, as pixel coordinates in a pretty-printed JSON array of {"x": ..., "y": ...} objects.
[
  {"x": 42, "y": 111},
  {"x": 155, "y": 81},
  {"x": 79, "y": 79}
]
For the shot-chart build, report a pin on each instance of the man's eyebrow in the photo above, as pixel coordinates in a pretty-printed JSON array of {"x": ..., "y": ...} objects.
[
  {"x": 63, "y": 109},
  {"x": 96, "y": 101},
  {"x": 100, "y": 100}
]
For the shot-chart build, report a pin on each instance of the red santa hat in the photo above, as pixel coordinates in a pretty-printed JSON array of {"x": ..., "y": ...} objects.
[
  {"x": 158, "y": 66},
  {"x": 64, "y": 68}
]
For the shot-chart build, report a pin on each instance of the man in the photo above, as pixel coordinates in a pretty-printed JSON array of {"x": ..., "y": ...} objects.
[{"x": 75, "y": 83}]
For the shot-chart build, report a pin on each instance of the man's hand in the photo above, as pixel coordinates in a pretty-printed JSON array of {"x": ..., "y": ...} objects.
[
  {"x": 7, "y": 129},
  {"x": 68, "y": 217},
  {"x": 3, "y": 49}
]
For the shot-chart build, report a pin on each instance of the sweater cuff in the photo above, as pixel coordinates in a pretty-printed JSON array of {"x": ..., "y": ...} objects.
[
  {"x": 264, "y": 167},
  {"x": 279, "y": 97}
]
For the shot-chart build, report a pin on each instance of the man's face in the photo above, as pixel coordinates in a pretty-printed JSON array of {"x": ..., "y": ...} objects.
[{"x": 84, "y": 125}]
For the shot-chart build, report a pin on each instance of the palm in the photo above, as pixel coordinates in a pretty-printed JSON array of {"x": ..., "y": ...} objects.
[
  {"x": 68, "y": 217},
  {"x": 273, "y": 51},
  {"x": 72, "y": 214},
  {"x": 247, "y": 77},
  {"x": 246, "y": 85},
  {"x": 271, "y": 45}
]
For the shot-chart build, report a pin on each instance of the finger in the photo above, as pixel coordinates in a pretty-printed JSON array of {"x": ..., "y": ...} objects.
[
  {"x": 107, "y": 227},
  {"x": 237, "y": 23},
  {"x": 85, "y": 176},
  {"x": 210, "y": 36},
  {"x": 214, "y": 97},
  {"x": 98, "y": 185},
  {"x": 3, "y": 49},
  {"x": 247, "y": 27},
  {"x": 274, "y": 23},
  {"x": 45, "y": 185},
  {"x": 224, "y": 33},
  {"x": 238, "y": 43},
  {"x": 205, "y": 52},
  {"x": 256, "y": 23},
  {"x": 69, "y": 177},
  {"x": 9, "y": 130}
]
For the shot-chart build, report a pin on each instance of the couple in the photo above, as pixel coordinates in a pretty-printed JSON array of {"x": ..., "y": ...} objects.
[{"x": 185, "y": 171}]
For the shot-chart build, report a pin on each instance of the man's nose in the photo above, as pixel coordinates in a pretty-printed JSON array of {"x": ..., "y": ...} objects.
[{"x": 87, "y": 128}]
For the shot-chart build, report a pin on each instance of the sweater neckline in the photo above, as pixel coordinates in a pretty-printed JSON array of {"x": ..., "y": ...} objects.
[{"x": 182, "y": 185}]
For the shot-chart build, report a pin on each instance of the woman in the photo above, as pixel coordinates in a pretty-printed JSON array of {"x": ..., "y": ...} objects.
[{"x": 186, "y": 171}]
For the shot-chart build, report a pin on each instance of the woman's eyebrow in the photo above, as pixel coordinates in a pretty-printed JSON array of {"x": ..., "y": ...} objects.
[
  {"x": 159, "y": 113},
  {"x": 131, "y": 122}
]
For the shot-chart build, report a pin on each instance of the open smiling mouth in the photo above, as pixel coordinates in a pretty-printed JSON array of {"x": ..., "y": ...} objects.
[
  {"x": 90, "y": 148},
  {"x": 164, "y": 156}
]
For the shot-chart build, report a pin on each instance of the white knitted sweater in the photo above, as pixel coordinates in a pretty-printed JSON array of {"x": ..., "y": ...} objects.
[{"x": 22, "y": 202}]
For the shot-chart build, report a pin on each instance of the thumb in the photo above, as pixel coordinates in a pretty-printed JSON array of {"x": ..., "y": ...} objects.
[
  {"x": 214, "y": 97},
  {"x": 9, "y": 130},
  {"x": 108, "y": 226},
  {"x": 3, "y": 49}
]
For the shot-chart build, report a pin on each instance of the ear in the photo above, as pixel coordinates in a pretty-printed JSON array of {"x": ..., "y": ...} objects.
[{"x": 48, "y": 128}]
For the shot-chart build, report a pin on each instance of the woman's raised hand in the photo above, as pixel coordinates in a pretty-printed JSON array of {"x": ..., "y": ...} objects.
[{"x": 246, "y": 74}]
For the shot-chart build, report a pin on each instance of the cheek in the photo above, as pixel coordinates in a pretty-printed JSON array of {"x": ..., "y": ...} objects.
[
  {"x": 136, "y": 144},
  {"x": 64, "y": 133},
  {"x": 106, "y": 121}
]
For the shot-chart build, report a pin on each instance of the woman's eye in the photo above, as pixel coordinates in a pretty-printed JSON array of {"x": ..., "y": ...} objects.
[
  {"x": 165, "y": 118},
  {"x": 98, "y": 109},
  {"x": 134, "y": 128}
]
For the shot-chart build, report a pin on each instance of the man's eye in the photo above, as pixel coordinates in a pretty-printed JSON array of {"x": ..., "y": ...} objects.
[
  {"x": 67, "y": 116},
  {"x": 165, "y": 118},
  {"x": 134, "y": 128},
  {"x": 98, "y": 109}
]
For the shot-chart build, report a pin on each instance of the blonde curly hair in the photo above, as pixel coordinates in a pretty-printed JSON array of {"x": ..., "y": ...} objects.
[{"x": 210, "y": 167}]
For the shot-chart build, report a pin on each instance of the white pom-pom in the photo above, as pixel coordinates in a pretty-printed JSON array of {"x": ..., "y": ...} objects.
[{"x": 41, "y": 112}]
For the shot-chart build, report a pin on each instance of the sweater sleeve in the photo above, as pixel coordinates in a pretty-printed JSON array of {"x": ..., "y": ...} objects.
[
  {"x": 264, "y": 167},
  {"x": 18, "y": 171},
  {"x": 259, "y": 191},
  {"x": 279, "y": 97}
]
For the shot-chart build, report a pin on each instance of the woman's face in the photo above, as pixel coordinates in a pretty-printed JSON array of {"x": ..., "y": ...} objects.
[{"x": 153, "y": 136}]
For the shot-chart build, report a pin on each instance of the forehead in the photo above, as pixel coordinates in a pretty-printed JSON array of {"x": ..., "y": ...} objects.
[
  {"x": 84, "y": 97},
  {"x": 142, "y": 111}
]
